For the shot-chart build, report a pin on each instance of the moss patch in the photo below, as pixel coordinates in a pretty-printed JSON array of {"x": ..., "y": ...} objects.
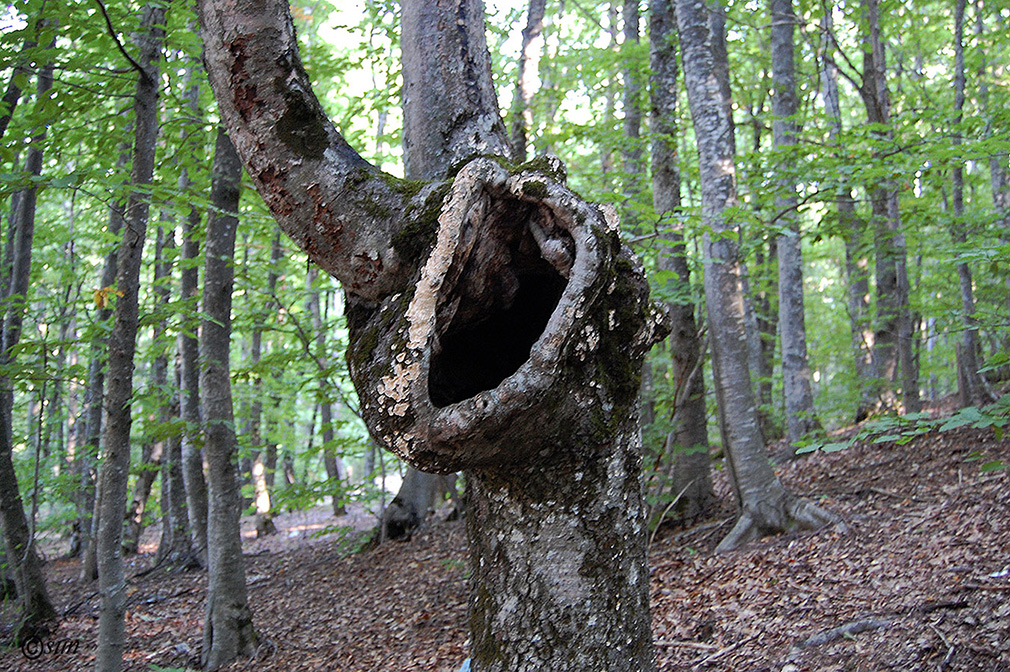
[{"x": 418, "y": 235}]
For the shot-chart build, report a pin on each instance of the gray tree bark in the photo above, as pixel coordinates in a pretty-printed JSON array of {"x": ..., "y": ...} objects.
[
  {"x": 801, "y": 417},
  {"x": 765, "y": 505},
  {"x": 152, "y": 452},
  {"x": 188, "y": 343},
  {"x": 261, "y": 467},
  {"x": 227, "y": 629},
  {"x": 892, "y": 344},
  {"x": 114, "y": 471},
  {"x": 972, "y": 384},
  {"x": 334, "y": 467},
  {"x": 86, "y": 461},
  {"x": 857, "y": 264},
  {"x": 688, "y": 440},
  {"x": 543, "y": 416},
  {"x": 33, "y": 601}
]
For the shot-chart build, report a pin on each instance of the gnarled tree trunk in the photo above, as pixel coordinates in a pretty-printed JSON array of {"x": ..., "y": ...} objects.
[{"x": 497, "y": 325}]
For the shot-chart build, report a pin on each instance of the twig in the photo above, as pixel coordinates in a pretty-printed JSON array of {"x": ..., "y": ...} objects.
[
  {"x": 950, "y": 647},
  {"x": 888, "y": 493},
  {"x": 667, "y": 510},
  {"x": 686, "y": 644},
  {"x": 119, "y": 45},
  {"x": 983, "y": 586},
  {"x": 847, "y": 630},
  {"x": 721, "y": 652}
]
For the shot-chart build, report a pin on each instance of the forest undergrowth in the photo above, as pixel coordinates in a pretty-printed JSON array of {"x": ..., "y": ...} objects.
[{"x": 920, "y": 582}]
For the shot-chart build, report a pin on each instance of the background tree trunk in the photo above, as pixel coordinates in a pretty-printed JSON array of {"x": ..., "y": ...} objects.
[
  {"x": 892, "y": 342},
  {"x": 32, "y": 595},
  {"x": 765, "y": 505},
  {"x": 688, "y": 440},
  {"x": 529, "y": 57},
  {"x": 112, "y": 479},
  {"x": 227, "y": 631},
  {"x": 973, "y": 387},
  {"x": 86, "y": 462},
  {"x": 335, "y": 471},
  {"x": 857, "y": 265},
  {"x": 801, "y": 418},
  {"x": 188, "y": 344}
]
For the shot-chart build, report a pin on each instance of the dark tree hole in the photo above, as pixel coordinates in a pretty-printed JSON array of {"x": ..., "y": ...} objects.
[{"x": 478, "y": 356}]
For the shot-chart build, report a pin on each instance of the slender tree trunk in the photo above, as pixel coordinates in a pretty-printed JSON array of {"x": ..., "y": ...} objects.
[
  {"x": 261, "y": 469},
  {"x": 228, "y": 631},
  {"x": 999, "y": 184},
  {"x": 972, "y": 384},
  {"x": 112, "y": 478},
  {"x": 801, "y": 418},
  {"x": 91, "y": 417},
  {"x": 529, "y": 56},
  {"x": 853, "y": 227},
  {"x": 765, "y": 505},
  {"x": 892, "y": 352},
  {"x": 688, "y": 440},
  {"x": 153, "y": 452},
  {"x": 632, "y": 155},
  {"x": 32, "y": 595},
  {"x": 189, "y": 390},
  {"x": 334, "y": 471}
]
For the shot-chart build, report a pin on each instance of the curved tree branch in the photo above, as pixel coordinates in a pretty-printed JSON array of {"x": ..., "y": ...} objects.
[{"x": 341, "y": 210}]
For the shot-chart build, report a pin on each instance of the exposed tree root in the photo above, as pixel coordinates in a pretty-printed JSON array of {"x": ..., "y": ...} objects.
[{"x": 788, "y": 513}]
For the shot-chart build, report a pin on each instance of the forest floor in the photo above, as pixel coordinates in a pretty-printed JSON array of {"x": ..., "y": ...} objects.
[{"x": 920, "y": 582}]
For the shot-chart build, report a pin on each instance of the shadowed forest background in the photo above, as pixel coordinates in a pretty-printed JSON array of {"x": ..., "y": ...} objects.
[{"x": 871, "y": 224}]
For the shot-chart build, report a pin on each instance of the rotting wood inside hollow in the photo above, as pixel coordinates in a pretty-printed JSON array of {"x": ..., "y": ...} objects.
[{"x": 498, "y": 306}]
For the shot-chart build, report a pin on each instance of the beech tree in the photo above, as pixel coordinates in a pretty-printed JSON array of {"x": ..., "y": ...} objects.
[
  {"x": 112, "y": 478},
  {"x": 801, "y": 417},
  {"x": 227, "y": 628},
  {"x": 765, "y": 505},
  {"x": 687, "y": 442},
  {"x": 32, "y": 595},
  {"x": 497, "y": 325}
]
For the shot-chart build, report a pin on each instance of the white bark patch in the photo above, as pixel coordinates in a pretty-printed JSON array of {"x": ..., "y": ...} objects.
[{"x": 465, "y": 203}]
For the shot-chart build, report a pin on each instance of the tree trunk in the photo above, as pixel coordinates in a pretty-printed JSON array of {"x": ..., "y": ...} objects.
[
  {"x": 227, "y": 631},
  {"x": 801, "y": 418},
  {"x": 91, "y": 417},
  {"x": 765, "y": 505},
  {"x": 503, "y": 336},
  {"x": 529, "y": 57},
  {"x": 419, "y": 494},
  {"x": 261, "y": 471},
  {"x": 973, "y": 387},
  {"x": 632, "y": 154},
  {"x": 688, "y": 440},
  {"x": 32, "y": 595},
  {"x": 153, "y": 452},
  {"x": 892, "y": 344},
  {"x": 114, "y": 472},
  {"x": 188, "y": 344},
  {"x": 334, "y": 468},
  {"x": 853, "y": 227},
  {"x": 432, "y": 57}
]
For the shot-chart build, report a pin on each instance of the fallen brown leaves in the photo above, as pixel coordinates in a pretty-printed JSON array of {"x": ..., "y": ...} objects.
[{"x": 918, "y": 584}]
